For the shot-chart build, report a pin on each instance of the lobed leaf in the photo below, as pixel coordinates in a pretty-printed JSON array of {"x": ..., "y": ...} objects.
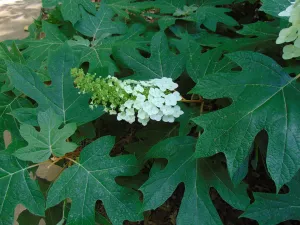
[
  {"x": 92, "y": 178},
  {"x": 49, "y": 141},
  {"x": 61, "y": 95},
  {"x": 198, "y": 176},
  {"x": 16, "y": 187},
  {"x": 263, "y": 98}
]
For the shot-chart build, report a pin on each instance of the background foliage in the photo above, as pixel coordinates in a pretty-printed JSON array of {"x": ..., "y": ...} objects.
[{"x": 231, "y": 159}]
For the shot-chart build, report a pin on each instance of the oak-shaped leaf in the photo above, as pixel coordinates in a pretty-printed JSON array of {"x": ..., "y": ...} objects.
[
  {"x": 264, "y": 97},
  {"x": 272, "y": 209},
  {"x": 198, "y": 176},
  {"x": 92, "y": 178},
  {"x": 70, "y": 9},
  {"x": 16, "y": 187},
  {"x": 50, "y": 140},
  {"x": 162, "y": 62},
  {"x": 100, "y": 25},
  {"x": 61, "y": 95}
]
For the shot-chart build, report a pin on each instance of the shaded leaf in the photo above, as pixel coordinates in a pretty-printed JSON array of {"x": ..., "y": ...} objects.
[
  {"x": 272, "y": 209},
  {"x": 198, "y": 176},
  {"x": 7, "y": 122}
]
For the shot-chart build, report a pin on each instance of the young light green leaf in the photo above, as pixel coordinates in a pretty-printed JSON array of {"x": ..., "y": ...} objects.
[
  {"x": 162, "y": 63},
  {"x": 101, "y": 25},
  {"x": 49, "y": 141},
  {"x": 61, "y": 96},
  {"x": 272, "y": 209},
  {"x": 198, "y": 176},
  {"x": 16, "y": 187},
  {"x": 93, "y": 178},
  {"x": 263, "y": 99}
]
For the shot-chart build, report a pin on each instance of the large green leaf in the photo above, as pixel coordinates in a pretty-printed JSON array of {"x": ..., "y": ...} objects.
[
  {"x": 9, "y": 102},
  {"x": 16, "y": 187},
  {"x": 272, "y": 209},
  {"x": 263, "y": 98},
  {"x": 49, "y": 141},
  {"x": 101, "y": 25},
  {"x": 71, "y": 8},
  {"x": 92, "y": 178},
  {"x": 162, "y": 63},
  {"x": 61, "y": 95},
  {"x": 37, "y": 50},
  {"x": 274, "y": 7},
  {"x": 198, "y": 176}
]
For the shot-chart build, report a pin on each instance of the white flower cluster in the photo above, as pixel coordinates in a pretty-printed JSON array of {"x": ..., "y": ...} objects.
[
  {"x": 155, "y": 99},
  {"x": 292, "y": 33}
]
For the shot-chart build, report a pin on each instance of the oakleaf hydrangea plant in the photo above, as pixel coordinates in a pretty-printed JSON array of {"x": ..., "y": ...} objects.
[
  {"x": 155, "y": 99},
  {"x": 130, "y": 112}
]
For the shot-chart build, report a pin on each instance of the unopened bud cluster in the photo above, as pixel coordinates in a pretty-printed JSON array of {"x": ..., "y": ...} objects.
[
  {"x": 292, "y": 33},
  {"x": 154, "y": 99}
]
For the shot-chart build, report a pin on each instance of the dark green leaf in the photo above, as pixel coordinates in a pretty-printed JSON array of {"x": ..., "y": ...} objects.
[
  {"x": 61, "y": 96},
  {"x": 162, "y": 63},
  {"x": 263, "y": 99},
  {"x": 16, "y": 187},
  {"x": 7, "y": 122},
  {"x": 37, "y": 50},
  {"x": 272, "y": 209},
  {"x": 198, "y": 176},
  {"x": 101, "y": 25}
]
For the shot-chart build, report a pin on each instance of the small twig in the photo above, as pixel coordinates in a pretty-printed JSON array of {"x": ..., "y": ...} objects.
[
  {"x": 55, "y": 160},
  {"x": 191, "y": 101}
]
